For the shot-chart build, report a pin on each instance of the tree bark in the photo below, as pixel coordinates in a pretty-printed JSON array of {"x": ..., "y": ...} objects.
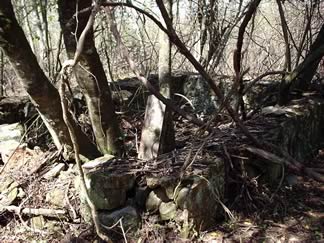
[
  {"x": 158, "y": 131},
  {"x": 91, "y": 77},
  {"x": 41, "y": 92}
]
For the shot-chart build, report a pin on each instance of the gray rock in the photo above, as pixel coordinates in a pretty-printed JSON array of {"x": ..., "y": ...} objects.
[
  {"x": 165, "y": 181},
  {"x": 5, "y": 183},
  {"x": 98, "y": 162},
  {"x": 56, "y": 197},
  {"x": 152, "y": 182},
  {"x": 141, "y": 194},
  {"x": 7, "y": 198},
  {"x": 155, "y": 198},
  {"x": 181, "y": 197},
  {"x": 107, "y": 191},
  {"x": 194, "y": 86},
  {"x": 129, "y": 217},
  {"x": 167, "y": 210},
  {"x": 201, "y": 202},
  {"x": 55, "y": 171},
  {"x": 169, "y": 190},
  {"x": 10, "y": 136},
  {"x": 37, "y": 222},
  {"x": 8, "y": 192}
]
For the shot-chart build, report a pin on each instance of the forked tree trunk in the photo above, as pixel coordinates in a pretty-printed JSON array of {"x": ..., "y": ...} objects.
[
  {"x": 42, "y": 93},
  {"x": 91, "y": 77}
]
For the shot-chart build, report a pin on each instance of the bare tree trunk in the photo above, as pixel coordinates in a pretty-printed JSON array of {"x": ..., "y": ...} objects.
[
  {"x": 158, "y": 132},
  {"x": 167, "y": 139},
  {"x": 91, "y": 77},
  {"x": 42, "y": 93}
]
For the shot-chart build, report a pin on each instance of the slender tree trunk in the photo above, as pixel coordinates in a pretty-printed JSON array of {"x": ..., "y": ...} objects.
[
  {"x": 158, "y": 132},
  {"x": 284, "y": 27},
  {"x": 91, "y": 77},
  {"x": 167, "y": 139},
  {"x": 42, "y": 93}
]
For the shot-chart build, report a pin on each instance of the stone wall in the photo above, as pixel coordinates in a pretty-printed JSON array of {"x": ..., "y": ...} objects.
[{"x": 191, "y": 199}]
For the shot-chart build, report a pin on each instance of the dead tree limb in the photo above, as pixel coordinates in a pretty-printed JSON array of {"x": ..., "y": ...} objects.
[
  {"x": 289, "y": 162},
  {"x": 47, "y": 212}
]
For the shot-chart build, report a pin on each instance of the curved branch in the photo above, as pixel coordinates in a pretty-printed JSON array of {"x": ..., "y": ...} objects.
[{"x": 84, "y": 33}]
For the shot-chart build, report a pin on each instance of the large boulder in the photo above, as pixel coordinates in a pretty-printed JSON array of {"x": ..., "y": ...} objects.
[
  {"x": 201, "y": 199},
  {"x": 106, "y": 190}
]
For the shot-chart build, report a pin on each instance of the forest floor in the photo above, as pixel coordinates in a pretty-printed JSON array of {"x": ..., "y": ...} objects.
[{"x": 292, "y": 212}]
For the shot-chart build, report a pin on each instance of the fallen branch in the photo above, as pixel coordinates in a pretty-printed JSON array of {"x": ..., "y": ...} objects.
[
  {"x": 47, "y": 212},
  {"x": 292, "y": 164}
]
